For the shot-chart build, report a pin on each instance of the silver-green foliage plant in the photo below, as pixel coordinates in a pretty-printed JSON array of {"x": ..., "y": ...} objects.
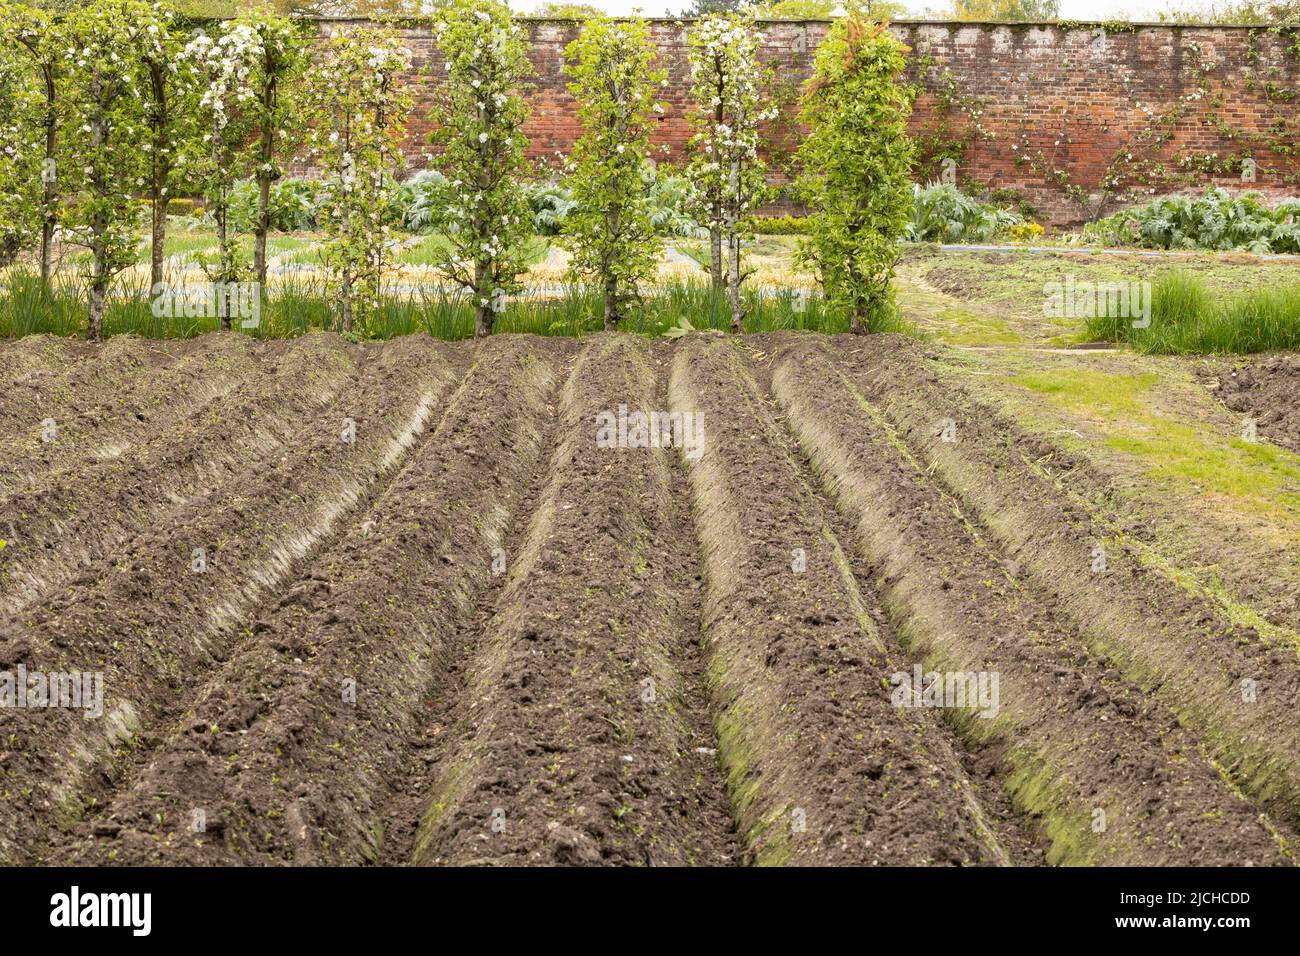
[
  {"x": 1214, "y": 220},
  {"x": 479, "y": 113},
  {"x": 856, "y": 164},
  {"x": 291, "y": 205},
  {"x": 943, "y": 213},
  {"x": 609, "y": 231},
  {"x": 550, "y": 205},
  {"x": 424, "y": 198}
]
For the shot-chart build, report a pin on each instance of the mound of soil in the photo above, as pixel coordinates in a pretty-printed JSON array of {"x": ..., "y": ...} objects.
[
  {"x": 578, "y": 740},
  {"x": 436, "y": 621},
  {"x": 1073, "y": 731},
  {"x": 1164, "y": 638},
  {"x": 1265, "y": 391},
  {"x": 955, "y": 282}
]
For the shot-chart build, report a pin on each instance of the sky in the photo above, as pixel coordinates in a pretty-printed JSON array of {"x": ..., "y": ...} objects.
[{"x": 1070, "y": 9}]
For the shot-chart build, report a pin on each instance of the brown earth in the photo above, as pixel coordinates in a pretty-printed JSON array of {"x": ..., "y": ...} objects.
[
  {"x": 955, "y": 283},
  {"x": 67, "y": 404},
  {"x": 76, "y": 515},
  {"x": 797, "y": 661},
  {"x": 1167, "y": 640},
  {"x": 578, "y": 722},
  {"x": 1263, "y": 390},
  {"x": 435, "y": 623},
  {"x": 1074, "y": 736}
]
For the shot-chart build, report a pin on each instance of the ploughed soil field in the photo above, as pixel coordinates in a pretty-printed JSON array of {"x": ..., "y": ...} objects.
[{"x": 868, "y": 601}]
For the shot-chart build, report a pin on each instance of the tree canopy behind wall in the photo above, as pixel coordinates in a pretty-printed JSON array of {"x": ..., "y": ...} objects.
[
  {"x": 232, "y": 8},
  {"x": 1016, "y": 10},
  {"x": 566, "y": 11},
  {"x": 1272, "y": 12}
]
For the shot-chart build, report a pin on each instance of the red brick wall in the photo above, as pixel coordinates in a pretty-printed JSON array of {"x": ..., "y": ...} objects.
[{"x": 1049, "y": 113}]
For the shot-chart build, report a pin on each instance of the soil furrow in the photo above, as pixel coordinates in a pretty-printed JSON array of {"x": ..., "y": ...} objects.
[
  {"x": 1019, "y": 837},
  {"x": 121, "y": 394},
  {"x": 285, "y": 751},
  {"x": 33, "y": 355},
  {"x": 577, "y": 743},
  {"x": 1015, "y": 836},
  {"x": 1235, "y": 690},
  {"x": 66, "y": 524},
  {"x": 406, "y": 800},
  {"x": 154, "y": 624},
  {"x": 779, "y": 599},
  {"x": 822, "y": 769},
  {"x": 1112, "y": 774}
]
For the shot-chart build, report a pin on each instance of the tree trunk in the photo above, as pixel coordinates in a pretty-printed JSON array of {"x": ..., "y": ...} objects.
[
  {"x": 161, "y": 174},
  {"x": 159, "y": 239},
  {"x": 484, "y": 315},
  {"x": 221, "y": 214},
  {"x": 733, "y": 248},
  {"x": 733, "y": 284},
  {"x": 347, "y": 300},
  {"x": 47, "y": 250},
  {"x": 482, "y": 321},
  {"x": 716, "y": 271},
  {"x": 263, "y": 226},
  {"x": 719, "y": 275},
  {"x": 613, "y": 224},
  {"x": 98, "y": 291},
  {"x": 220, "y": 296},
  {"x": 223, "y": 238},
  {"x": 861, "y": 322},
  {"x": 611, "y": 304},
  {"x": 99, "y": 277},
  {"x": 98, "y": 302},
  {"x": 49, "y": 177},
  {"x": 264, "y": 178}
]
